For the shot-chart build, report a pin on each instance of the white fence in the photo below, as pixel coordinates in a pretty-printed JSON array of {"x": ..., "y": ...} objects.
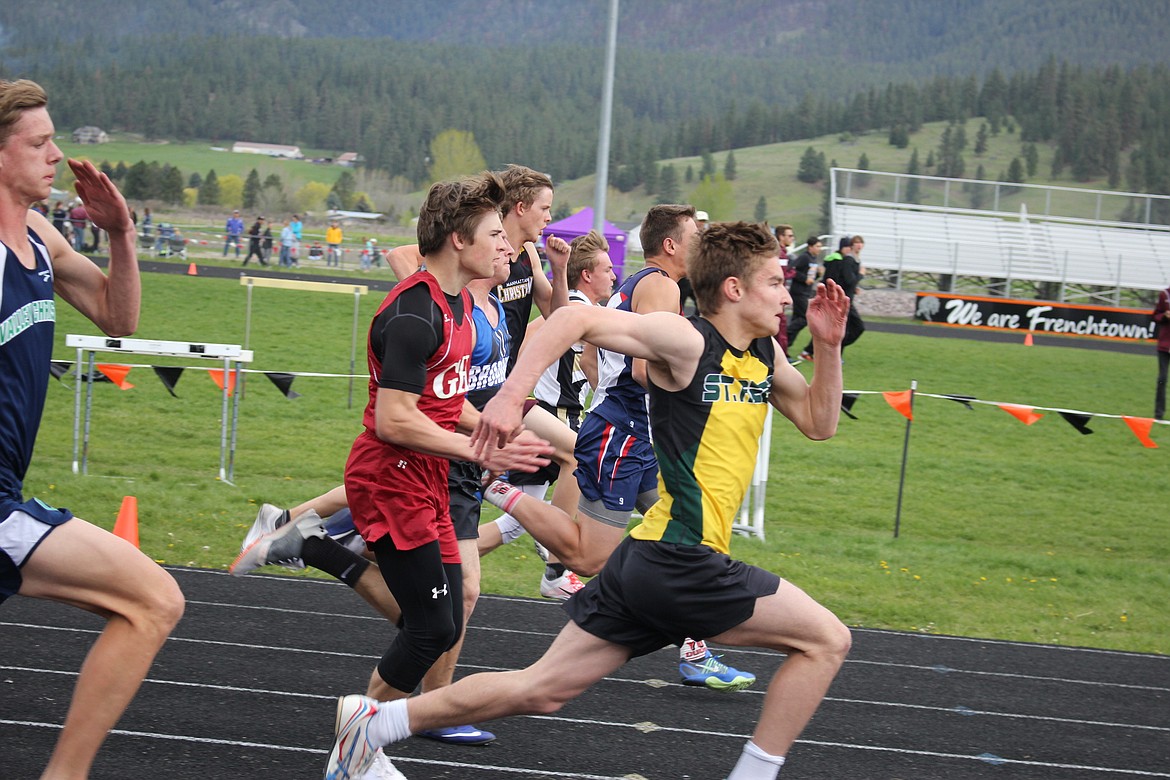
[{"x": 1008, "y": 232}]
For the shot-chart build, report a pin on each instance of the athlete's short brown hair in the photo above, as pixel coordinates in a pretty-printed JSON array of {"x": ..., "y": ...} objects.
[
  {"x": 457, "y": 207},
  {"x": 522, "y": 185},
  {"x": 725, "y": 250},
  {"x": 16, "y": 97},
  {"x": 583, "y": 252},
  {"x": 661, "y": 223}
]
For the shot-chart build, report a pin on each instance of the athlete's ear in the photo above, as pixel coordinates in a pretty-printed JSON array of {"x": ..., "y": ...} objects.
[
  {"x": 457, "y": 241},
  {"x": 732, "y": 289}
]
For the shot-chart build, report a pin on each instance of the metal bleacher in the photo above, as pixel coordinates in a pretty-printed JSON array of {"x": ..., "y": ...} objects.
[{"x": 1004, "y": 236}]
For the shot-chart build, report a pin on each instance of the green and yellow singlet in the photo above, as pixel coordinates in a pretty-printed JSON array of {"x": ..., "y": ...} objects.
[{"x": 706, "y": 437}]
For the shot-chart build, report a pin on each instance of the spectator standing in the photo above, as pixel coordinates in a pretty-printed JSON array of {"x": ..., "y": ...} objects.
[
  {"x": 77, "y": 220},
  {"x": 60, "y": 216},
  {"x": 232, "y": 232},
  {"x": 288, "y": 244},
  {"x": 801, "y": 287},
  {"x": 844, "y": 269},
  {"x": 255, "y": 237},
  {"x": 1163, "y": 321},
  {"x": 267, "y": 244},
  {"x": 787, "y": 237},
  {"x": 147, "y": 222},
  {"x": 333, "y": 238}
]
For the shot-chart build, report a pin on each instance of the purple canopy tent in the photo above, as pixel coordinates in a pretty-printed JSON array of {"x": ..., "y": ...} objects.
[{"x": 581, "y": 223}]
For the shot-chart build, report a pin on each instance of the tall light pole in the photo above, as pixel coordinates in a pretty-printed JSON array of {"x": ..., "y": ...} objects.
[{"x": 606, "y": 120}]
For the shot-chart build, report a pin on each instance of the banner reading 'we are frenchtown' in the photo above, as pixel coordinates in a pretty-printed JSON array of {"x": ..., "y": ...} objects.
[{"x": 1034, "y": 316}]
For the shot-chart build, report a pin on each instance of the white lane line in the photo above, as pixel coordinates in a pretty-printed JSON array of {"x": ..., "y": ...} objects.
[
  {"x": 983, "y": 758},
  {"x": 322, "y": 752},
  {"x": 657, "y": 683}
]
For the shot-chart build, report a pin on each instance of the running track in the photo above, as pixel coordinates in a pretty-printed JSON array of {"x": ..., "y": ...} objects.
[{"x": 245, "y": 688}]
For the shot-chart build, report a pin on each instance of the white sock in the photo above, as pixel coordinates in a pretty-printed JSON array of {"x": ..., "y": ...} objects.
[
  {"x": 390, "y": 723},
  {"x": 510, "y": 529},
  {"x": 692, "y": 650},
  {"x": 755, "y": 764}
]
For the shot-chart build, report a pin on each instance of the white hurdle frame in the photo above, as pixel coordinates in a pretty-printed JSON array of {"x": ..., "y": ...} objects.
[
  {"x": 229, "y": 353},
  {"x": 751, "y": 512}
]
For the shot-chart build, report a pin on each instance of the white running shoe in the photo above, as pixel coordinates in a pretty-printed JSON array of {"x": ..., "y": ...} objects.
[
  {"x": 268, "y": 519},
  {"x": 562, "y": 588},
  {"x": 352, "y": 754},
  {"x": 382, "y": 769},
  {"x": 283, "y": 544}
]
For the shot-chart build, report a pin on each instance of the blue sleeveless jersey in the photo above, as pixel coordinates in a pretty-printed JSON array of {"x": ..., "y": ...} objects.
[
  {"x": 27, "y": 317},
  {"x": 618, "y": 399},
  {"x": 489, "y": 355}
]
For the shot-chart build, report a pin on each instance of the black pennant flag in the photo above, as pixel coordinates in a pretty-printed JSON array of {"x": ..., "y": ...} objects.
[
  {"x": 283, "y": 383},
  {"x": 965, "y": 400},
  {"x": 59, "y": 368},
  {"x": 169, "y": 376},
  {"x": 1078, "y": 421},
  {"x": 847, "y": 401}
]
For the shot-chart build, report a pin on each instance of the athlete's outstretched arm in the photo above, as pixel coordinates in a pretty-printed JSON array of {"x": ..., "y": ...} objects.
[{"x": 665, "y": 339}]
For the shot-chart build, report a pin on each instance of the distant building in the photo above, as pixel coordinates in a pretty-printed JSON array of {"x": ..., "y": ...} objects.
[
  {"x": 272, "y": 150},
  {"x": 349, "y": 159},
  {"x": 90, "y": 135}
]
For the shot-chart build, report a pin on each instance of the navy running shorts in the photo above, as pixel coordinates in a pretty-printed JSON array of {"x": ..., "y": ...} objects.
[
  {"x": 613, "y": 467},
  {"x": 23, "y": 526}
]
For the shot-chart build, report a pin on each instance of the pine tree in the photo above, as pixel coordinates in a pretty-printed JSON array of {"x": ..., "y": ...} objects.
[
  {"x": 209, "y": 190},
  {"x": 251, "y": 189},
  {"x": 668, "y": 191},
  {"x": 170, "y": 186},
  {"x": 344, "y": 188},
  {"x": 913, "y": 185},
  {"x": 1015, "y": 172},
  {"x": 812, "y": 167},
  {"x": 761, "y": 209},
  {"x": 690, "y": 174},
  {"x": 1031, "y": 159},
  {"x": 981, "y": 140},
  {"x": 708, "y": 169},
  {"x": 862, "y": 179},
  {"x": 195, "y": 181},
  {"x": 729, "y": 167}
]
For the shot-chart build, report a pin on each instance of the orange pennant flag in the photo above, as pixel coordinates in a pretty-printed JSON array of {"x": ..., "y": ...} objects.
[
  {"x": 116, "y": 374},
  {"x": 1141, "y": 428},
  {"x": 1022, "y": 413},
  {"x": 217, "y": 377},
  {"x": 900, "y": 402}
]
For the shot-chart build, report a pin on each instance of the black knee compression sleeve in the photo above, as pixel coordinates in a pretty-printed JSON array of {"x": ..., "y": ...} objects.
[{"x": 430, "y": 594}]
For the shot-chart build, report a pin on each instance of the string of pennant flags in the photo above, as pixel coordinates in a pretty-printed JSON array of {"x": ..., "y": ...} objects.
[
  {"x": 117, "y": 373},
  {"x": 901, "y": 401}
]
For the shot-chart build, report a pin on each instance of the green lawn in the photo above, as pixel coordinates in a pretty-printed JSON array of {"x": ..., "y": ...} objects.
[{"x": 1032, "y": 533}]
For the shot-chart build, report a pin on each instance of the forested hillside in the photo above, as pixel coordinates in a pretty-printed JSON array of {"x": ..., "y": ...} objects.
[{"x": 728, "y": 75}]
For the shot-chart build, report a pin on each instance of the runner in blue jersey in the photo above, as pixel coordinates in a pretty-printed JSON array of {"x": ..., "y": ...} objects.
[{"x": 46, "y": 552}]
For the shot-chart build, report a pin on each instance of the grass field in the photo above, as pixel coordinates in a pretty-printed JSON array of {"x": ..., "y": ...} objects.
[{"x": 1032, "y": 533}]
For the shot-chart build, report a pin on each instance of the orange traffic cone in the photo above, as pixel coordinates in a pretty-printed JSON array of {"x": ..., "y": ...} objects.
[
  {"x": 1028, "y": 339},
  {"x": 126, "y": 525},
  {"x": 192, "y": 271}
]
